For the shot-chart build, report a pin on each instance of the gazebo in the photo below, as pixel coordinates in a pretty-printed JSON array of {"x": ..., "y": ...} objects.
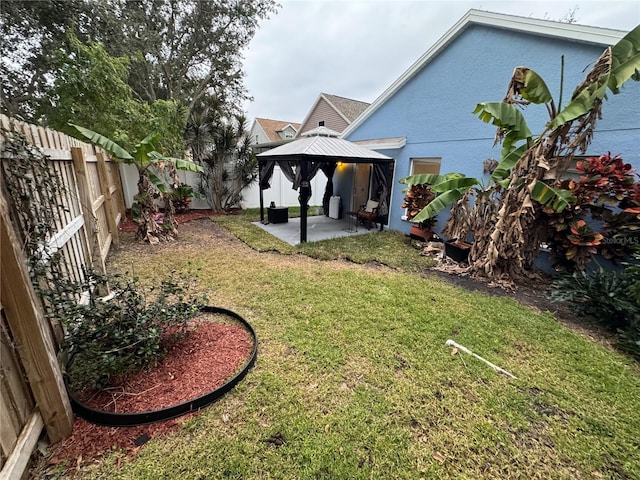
[{"x": 319, "y": 149}]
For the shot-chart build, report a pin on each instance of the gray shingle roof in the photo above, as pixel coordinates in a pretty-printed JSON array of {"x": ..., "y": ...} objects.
[{"x": 350, "y": 108}]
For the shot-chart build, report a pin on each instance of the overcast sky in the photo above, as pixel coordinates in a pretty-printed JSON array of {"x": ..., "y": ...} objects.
[{"x": 357, "y": 48}]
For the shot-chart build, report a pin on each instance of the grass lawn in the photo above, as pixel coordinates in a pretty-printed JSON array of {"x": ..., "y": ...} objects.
[{"x": 354, "y": 374}]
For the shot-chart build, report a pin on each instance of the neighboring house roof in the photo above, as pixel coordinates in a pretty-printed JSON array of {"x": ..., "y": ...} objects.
[
  {"x": 272, "y": 127},
  {"x": 346, "y": 108},
  {"x": 547, "y": 28}
]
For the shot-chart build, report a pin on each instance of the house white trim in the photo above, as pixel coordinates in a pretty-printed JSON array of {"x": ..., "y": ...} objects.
[
  {"x": 256, "y": 122},
  {"x": 548, "y": 28},
  {"x": 383, "y": 143},
  {"x": 287, "y": 126}
]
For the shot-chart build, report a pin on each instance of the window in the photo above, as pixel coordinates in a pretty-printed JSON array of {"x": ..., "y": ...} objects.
[
  {"x": 571, "y": 173},
  {"x": 425, "y": 165},
  {"x": 288, "y": 132}
]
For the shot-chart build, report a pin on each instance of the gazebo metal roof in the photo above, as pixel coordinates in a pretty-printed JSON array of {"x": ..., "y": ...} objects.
[
  {"x": 315, "y": 147},
  {"x": 323, "y": 142}
]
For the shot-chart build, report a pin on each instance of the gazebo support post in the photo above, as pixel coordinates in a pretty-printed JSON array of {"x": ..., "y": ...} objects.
[
  {"x": 261, "y": 194},
  {"x": 304, "y": 198}
]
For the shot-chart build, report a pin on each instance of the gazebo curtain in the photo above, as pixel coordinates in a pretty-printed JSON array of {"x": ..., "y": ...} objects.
[
  {"x": 328, "y": 168},
  {"x": 288, "y": 172},
  {"x": 291, "y": 170},
  {"x": 293, "y": 173},
  {"x": 266, "y": 172}
]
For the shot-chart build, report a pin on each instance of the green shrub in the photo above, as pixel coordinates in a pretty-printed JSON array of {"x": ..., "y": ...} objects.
[
  {"x": 612, "y": 298},
  {"x": 128, "y": 331}
]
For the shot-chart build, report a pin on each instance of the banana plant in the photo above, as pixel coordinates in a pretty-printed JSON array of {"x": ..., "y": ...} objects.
[
  {"x": 616, "y": 66},
  {"x": 621, "y": 64},
  {"x": 151, "y": 166},
  {"x": 144, "y": 156},
  {"x": 518, "y": 178},
  {"x": 528, "y": 87},
  {"x": 452, "y": 186},
  {"x": 448, "y": 188}
]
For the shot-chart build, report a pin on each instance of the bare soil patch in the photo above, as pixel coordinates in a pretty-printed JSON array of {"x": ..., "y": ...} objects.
[
  {"x": 127, "y": 224},
  {"x": 532, "y": 293}
]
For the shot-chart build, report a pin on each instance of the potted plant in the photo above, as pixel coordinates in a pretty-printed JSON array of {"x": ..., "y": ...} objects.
[
  {"x": 422, "y": 230},
  {"x": 457, "y": 250},
  {"x": 416, "y": 198}
]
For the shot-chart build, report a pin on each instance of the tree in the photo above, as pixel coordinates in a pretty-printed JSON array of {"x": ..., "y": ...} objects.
[
  {"x": 506, "y": 218},
  {"x": 187, "y": 49},
  {"x": 31, "y": 32},
  {"x": 153, "y": 170},
  {"x": 91, "y": 89},
  {"x": 219, "y": 142},
  {"x": 179, "y": 50}
]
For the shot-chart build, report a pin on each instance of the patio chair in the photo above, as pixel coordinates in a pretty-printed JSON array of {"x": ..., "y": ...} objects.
[{"x": 368, "y": 214}]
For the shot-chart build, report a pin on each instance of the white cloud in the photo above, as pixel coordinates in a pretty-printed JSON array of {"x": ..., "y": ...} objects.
[{"x": 357, "y": 49}]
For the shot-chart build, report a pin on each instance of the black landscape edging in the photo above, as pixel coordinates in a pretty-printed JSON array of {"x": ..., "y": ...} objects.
[{"x": 112, "y": 419}]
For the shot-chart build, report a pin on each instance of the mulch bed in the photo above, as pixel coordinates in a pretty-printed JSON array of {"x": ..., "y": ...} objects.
[
  {"x": 196, "y": 365},
  {"x": 127, "y": 224}
]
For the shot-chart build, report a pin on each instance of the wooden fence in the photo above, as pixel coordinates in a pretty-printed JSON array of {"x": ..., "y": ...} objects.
[{"x": 32, "y": 393}]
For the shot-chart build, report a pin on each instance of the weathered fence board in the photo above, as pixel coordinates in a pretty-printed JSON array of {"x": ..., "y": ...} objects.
[
  {"x": 18, "y": 395},
  {"x": 24, "y": 446},
  {"x": 31, "y": 332},
  {"x": 89, "y": 210}
]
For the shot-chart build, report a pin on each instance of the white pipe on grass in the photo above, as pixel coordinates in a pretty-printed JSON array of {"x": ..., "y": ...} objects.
[{"x": 451, "y": 343}]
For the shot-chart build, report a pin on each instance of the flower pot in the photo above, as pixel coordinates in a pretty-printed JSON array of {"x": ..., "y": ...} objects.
[
  {"x": 457, "y": 250},
  {"x": 420, "y": 233}
]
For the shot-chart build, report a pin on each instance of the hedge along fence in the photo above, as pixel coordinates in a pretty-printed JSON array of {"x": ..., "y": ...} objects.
[{"x": 87, "y": 213}]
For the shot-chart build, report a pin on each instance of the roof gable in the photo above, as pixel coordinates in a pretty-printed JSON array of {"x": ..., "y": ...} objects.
[
  {"x": 256, "y": 128},
  {"x": 532, "y": 26},
  {"x": 346, "y": 108},
  {"x": 272, "y": 127}
]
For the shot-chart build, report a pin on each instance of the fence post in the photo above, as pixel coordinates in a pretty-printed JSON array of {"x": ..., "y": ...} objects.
[
  {"x": 86, "y": 201},
  {"x": 117, "y": 179},
  {"x": 31, "y": 332},
  {"x": 105, "y": 186}
]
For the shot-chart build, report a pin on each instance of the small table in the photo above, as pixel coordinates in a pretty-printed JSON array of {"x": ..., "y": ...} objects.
[{"x": 278, "y": 214}]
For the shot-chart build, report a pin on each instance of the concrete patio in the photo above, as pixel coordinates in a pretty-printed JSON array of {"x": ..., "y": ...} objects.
[{"x": 318, "y": 228}]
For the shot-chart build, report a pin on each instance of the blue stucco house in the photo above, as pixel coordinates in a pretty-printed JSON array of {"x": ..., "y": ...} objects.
[{"x": 424, "y": 120}]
